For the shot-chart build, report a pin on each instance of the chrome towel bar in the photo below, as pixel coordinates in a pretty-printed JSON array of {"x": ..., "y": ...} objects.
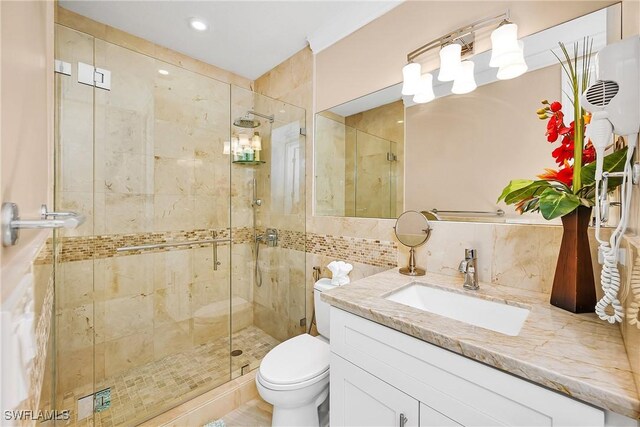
[
  {"x": 11, "y": 222},
  {"x": 214, "y": 242},
  {"x": 171, "y": 245},
  {"x": 498, "y": 212}
]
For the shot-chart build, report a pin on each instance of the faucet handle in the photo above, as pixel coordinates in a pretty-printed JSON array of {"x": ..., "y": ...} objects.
[
  {"x": 470, "y": 254},
  {"x": 463, "y": 266}
]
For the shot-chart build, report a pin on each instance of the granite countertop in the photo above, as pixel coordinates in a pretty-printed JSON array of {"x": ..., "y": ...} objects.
[{"x": 575, "y": 354}]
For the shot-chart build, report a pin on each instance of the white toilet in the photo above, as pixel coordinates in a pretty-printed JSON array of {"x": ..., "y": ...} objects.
[{"x": 294, "y": 376}]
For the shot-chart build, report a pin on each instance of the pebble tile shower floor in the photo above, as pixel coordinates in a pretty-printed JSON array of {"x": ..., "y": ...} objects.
[{"x": 145, "y": 391}]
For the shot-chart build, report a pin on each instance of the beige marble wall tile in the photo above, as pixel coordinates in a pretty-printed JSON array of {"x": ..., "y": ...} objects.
[
  {"x": 172, "y": 305},
  {"x": 172, "y": 268},
  {"x": 525, "y": 256},
  {"x": 76, "y": 325},
  {"x": 129, "y": 213},
  {"x": 78, "y": 284},
  {"x": 120, "y": 317},
  {"x": 75, "y": 369},
  {"x": 331, "y": 167}
]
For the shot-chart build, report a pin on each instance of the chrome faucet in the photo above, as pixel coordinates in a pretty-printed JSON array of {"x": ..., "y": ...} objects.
[{"x": 469, "y": 268}]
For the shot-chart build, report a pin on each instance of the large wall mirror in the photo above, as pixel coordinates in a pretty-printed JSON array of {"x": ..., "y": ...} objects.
[{"x": 379, "y": 155}]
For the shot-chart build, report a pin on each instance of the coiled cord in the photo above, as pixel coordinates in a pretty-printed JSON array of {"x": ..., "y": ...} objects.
[
  {"x": 610, "y": 276},
  {"x": 610, "y": 281}
]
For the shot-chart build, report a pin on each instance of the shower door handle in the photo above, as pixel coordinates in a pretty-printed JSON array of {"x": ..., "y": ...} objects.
[
  {"x": 11, "y": 222},
  {"x": 216, "y": 263}
]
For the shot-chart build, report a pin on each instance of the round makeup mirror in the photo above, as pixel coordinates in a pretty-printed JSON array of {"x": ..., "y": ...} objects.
[{"x": 412, "y": 230}]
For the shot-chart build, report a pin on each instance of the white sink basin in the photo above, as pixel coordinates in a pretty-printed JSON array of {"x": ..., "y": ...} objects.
[{"x": 496, "y": 316}]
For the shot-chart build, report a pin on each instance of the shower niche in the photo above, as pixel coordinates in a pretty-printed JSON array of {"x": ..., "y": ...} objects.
[{"x": 245, "y": 145}]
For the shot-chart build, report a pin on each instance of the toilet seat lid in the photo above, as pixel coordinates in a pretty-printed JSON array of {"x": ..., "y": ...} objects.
[{"x": 297, "y": 359}]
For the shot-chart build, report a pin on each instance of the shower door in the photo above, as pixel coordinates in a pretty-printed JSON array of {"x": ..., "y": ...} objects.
[
  {"x": 268, "y": 280},
  {"x": 143, "y": 321}
]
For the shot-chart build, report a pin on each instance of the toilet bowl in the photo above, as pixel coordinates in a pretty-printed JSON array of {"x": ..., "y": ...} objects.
[
  {"x": 294, "y": 378},
  {"x": 294, "y": 375}
]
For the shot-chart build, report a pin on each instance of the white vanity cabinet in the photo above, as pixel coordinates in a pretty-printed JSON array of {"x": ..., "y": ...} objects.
[{"x": 382, "y": 377}]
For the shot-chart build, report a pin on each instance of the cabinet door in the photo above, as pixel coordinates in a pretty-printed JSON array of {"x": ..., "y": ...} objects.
[
  {"x": 429, "y": 417},
  {"x": 360, "y": 399}
]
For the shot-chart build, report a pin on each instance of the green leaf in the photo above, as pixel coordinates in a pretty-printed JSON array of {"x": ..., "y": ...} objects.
[
  {"x": 554, "y": 203},
  {"x": 613, "y": 162},
  {"x": 514, "y": 185},
  {"x": 527, "y": 192}
]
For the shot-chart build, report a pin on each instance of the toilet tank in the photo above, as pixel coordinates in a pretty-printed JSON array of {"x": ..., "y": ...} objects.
[{"x": 321, "y": 307}]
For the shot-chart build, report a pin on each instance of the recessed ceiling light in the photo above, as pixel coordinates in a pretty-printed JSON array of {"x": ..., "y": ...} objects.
[
  {"x": 400, "y": 121},
  {"x": 198, "y": 24},
  {"x": 163, "y": 72},
  {"x": 282, "y": 111}
]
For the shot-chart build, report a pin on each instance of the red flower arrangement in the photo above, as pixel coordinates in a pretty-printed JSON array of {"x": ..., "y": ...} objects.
[
  {"x": 560, "y": 191},
  {"x": 563, "y": 155}
]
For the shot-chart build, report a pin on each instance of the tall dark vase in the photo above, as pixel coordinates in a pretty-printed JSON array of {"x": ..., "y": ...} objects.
[{"x": 574, "y": 288}]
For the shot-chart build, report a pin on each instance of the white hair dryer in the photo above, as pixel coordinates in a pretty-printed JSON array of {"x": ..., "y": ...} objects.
[{"x": 614, "y": 102}]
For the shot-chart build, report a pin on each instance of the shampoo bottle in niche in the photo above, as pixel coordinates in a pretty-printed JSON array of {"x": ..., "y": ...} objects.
[{"x": 256, "y": 144}]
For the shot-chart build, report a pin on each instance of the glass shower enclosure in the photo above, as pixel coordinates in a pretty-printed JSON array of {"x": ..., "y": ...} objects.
[{"x": 168, "y": 290}]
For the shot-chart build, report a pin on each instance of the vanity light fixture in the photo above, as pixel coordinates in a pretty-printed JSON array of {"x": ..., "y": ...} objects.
[
  {"x": 507, "y": 52},
  {"x": 198, "y": 24},
  {"x": 507, "y": 55},
  {"x": 513, "y": 64},
  {"x": 450, "y": 61},
  {"x": 465, "y": 81},
  {"x": 411, "y": 78},
  {"x": 425, "y": 89}
]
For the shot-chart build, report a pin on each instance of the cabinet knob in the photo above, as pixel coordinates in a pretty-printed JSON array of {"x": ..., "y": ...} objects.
[{"x": 403, "y": 420}]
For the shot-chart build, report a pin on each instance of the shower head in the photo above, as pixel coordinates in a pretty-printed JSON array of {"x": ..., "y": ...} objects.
[{"x": 246, "y": 122}]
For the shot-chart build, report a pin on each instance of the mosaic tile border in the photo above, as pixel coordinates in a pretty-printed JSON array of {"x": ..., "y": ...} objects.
[
  {"x": 378, "y": 253},
  {"x": 104, "y": 246},
  {"x": 42, "y": 334}
]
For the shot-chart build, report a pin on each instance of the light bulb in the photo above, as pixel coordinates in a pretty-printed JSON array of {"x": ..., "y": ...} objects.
[
  {"x": 425, "y": 89},
  {"x": 504, "y": 40},
  {"x": 449, "y": 62},
  {"x": 198, "y": 24},
  {"x": 465, "y": 81},
  {"x": 411, "y": 78}
]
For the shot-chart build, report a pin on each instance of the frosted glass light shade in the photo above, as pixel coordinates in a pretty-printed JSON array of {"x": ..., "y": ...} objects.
[
  {"x": 411, "y": 78},
  {"x": 504, "y": 40},
  {"x": 465, "y": 81},
  {"x": 425, "y": 89},
  {"x": 449, "y": 62},
  {"x": 512, "y": 64}
]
